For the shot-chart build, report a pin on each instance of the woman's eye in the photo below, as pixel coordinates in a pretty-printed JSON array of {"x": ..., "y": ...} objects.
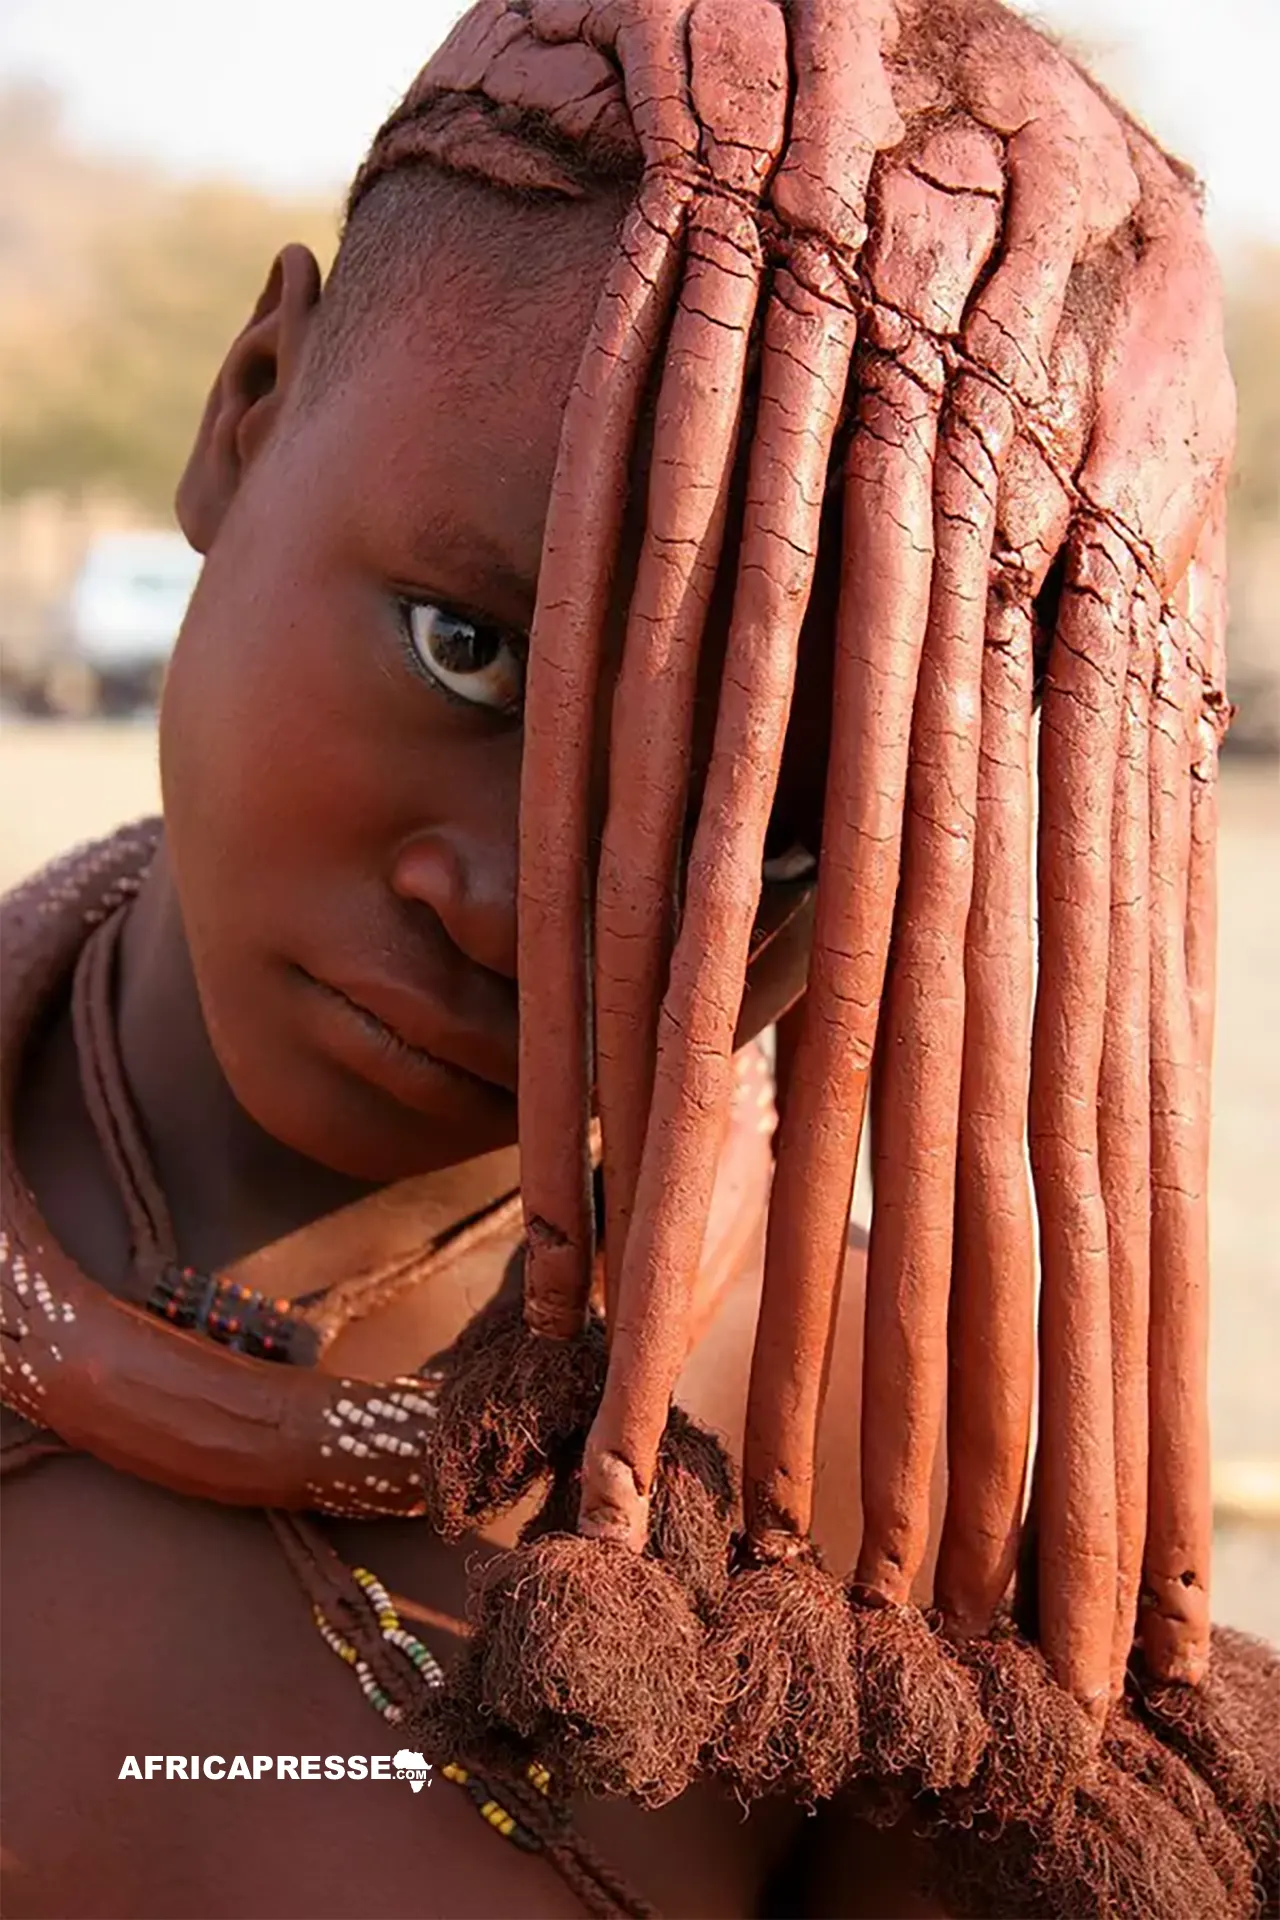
[{"x": 478, "y": 664}]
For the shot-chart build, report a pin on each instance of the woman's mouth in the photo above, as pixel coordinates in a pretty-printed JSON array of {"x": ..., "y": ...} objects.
[{"x": 410, "y": 1034}]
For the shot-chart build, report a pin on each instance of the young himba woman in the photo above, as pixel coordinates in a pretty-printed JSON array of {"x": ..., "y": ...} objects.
[{"x": 629, "y": 588}]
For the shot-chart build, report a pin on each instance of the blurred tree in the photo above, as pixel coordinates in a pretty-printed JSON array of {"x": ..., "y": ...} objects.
[
  {"x": 1253, "y": 647},
  {"x": 120, "y": 291},
  {"x": 1253, "y": 342},
  {"x": 132, "y": 297}
]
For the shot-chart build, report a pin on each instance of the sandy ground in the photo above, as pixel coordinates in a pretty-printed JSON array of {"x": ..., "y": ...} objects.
[{"x": 60, "y": 784}]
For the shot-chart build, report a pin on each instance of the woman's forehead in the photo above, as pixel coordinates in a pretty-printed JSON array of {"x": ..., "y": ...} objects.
[{"x": 448, "y": 415}]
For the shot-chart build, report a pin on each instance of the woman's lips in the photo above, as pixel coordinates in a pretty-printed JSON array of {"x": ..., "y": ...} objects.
[{"x": 419, "y": 1025}]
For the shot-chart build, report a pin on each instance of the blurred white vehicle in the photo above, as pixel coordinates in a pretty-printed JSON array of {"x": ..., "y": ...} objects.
[{"x": 123, "y": 617}]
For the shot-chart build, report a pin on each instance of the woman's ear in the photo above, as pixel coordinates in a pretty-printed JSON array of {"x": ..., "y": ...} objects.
[{"x": 247, "y": 394}]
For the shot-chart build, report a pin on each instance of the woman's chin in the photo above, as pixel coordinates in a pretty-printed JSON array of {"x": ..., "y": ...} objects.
[{"x": 360, "y": 1128}]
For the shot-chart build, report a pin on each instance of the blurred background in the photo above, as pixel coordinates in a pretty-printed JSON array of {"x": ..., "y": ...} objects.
[{"x": 152, "y": 160}]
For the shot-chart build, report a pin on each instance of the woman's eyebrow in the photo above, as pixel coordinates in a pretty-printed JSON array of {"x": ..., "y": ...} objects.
[{"x": 481, "y": 572}]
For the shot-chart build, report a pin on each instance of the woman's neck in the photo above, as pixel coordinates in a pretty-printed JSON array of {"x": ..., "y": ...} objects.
[{"x": 231, "y": 1187}]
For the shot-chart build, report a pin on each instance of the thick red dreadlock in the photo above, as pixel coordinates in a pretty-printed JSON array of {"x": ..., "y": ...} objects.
[{"x": 957, "y": 256}]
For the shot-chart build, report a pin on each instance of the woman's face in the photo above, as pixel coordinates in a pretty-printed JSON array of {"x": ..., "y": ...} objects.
[{"x": 341, "y": 731}]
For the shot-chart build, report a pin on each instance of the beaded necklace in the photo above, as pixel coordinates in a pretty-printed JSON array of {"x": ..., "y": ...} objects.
[
  {"x": 52, "y": 1313},
  {"x": 391, "y": 1665},
  {"x": 360, "y": 1624},
  {"x": 428, "y": 1669}
]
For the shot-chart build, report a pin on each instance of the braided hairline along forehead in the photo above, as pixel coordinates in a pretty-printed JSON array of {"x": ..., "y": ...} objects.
[
  {"x": 520, "y": 151},
  {"x": 959, "y": 409}
]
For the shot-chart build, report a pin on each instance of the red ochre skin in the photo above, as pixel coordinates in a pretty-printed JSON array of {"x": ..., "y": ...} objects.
[
  {"x": 311, "y": 839},
  {"x": 154, "y": 1624},
  {"x": 219, "y": 1656}
]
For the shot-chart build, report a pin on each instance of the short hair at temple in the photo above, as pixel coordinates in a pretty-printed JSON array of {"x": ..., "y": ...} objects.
[{"x": 441, "y": 204}]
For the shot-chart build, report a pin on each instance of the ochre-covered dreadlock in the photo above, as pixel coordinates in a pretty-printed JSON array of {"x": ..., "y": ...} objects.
[{"x": 955, "y": 254}]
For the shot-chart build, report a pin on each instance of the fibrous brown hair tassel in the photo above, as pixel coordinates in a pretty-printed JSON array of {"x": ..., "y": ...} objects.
[
  {"x": 880, "y": 632},
  {"x": 807, "y": 341},
  {"x": 1022, "y": 463},
  {"x": 784, "y": 1632},
  {"x": 935, "y": 1731},
  {"x": 603, "y": 1566}
]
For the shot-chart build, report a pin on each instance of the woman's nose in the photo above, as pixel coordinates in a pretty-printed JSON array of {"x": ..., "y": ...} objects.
[{"x": 470, "y": 886}]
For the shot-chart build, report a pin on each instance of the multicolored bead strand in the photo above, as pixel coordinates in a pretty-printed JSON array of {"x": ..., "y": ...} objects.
[
  {"x": 492, "y": 1810},
  {"x": 378, "y": 1699},
  {"x": 393, "y": 1632},
  {"x": 428, "y": 1668},
  {"x": 234, "y": 1315}
]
